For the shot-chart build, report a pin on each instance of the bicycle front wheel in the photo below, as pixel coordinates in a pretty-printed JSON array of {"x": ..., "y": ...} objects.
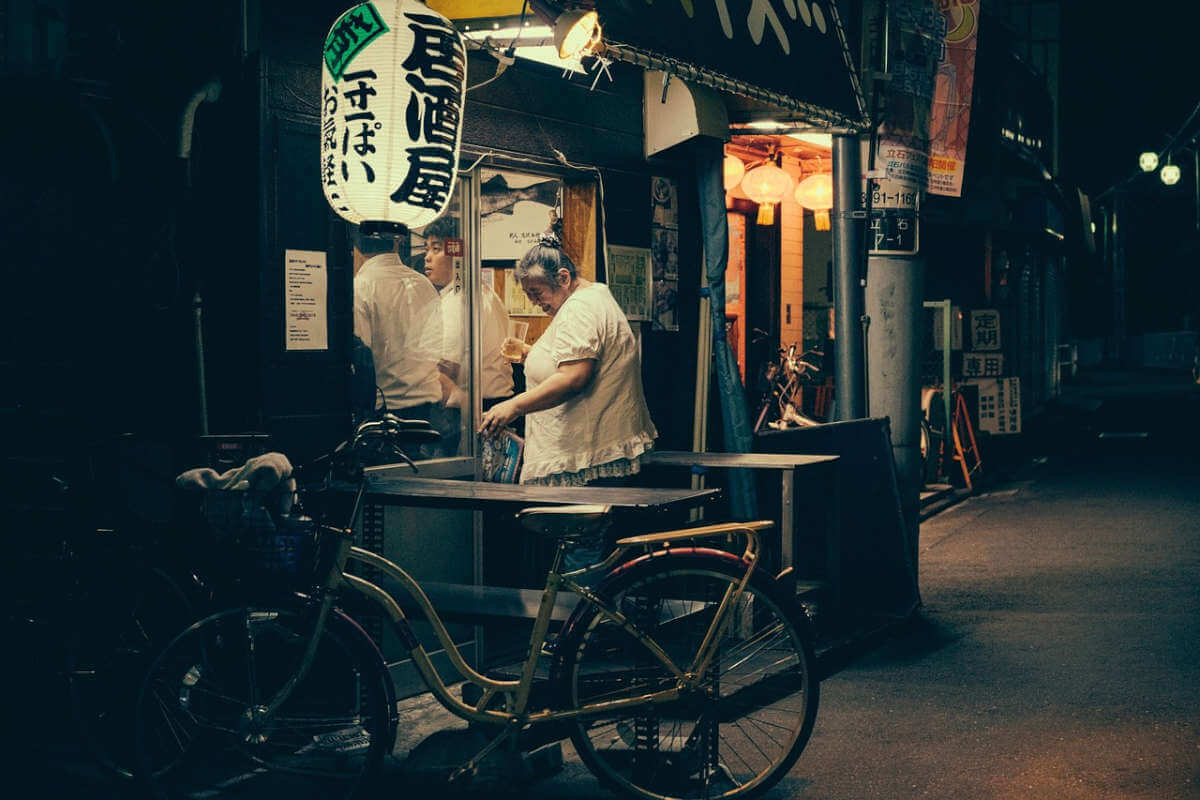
[
  {"x": 202, "y": 728},
  {"x": 734, "y": 735}
]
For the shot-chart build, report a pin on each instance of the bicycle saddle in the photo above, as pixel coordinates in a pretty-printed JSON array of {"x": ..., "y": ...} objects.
[{"x": 560, "y": 521}]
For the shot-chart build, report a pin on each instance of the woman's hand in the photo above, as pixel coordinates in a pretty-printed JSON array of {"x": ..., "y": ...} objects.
[{"x": 499, "y": 416}]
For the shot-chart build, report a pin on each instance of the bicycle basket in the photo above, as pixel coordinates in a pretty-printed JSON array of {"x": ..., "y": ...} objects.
[{"x": 281, "y": 546}]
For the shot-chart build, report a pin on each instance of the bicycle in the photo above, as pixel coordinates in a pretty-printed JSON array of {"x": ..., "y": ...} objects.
[
  {"x": 91, "y": 603},
  {"x": 784, "y": 380},
  {"x": 685, "y": 673}
]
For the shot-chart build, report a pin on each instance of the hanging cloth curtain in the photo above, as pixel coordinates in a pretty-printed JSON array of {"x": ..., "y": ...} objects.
[{"x": 735, "y": 419}]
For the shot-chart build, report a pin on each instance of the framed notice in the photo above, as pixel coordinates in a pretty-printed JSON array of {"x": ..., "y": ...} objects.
[{"x": 629, "y": 280}]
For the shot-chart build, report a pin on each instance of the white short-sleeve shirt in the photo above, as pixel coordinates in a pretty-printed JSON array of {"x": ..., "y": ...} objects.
[
  {"x": 609, "y": 421},
  {"x": 398, "y": 316}
]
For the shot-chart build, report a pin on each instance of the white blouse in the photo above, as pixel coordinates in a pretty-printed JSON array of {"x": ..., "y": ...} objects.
[{"x": 602, "y": 431}]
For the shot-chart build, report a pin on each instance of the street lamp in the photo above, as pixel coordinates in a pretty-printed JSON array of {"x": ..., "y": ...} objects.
[
  {"x": 1169, "y": 174},
  {"x": 1148, "y": 162}
]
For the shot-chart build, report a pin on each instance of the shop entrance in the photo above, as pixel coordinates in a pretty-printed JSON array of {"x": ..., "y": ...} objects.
[{"x": 752, "y": 293}]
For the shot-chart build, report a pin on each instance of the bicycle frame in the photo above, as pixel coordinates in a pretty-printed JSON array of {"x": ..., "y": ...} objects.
[{"x": 687, "y": 676}]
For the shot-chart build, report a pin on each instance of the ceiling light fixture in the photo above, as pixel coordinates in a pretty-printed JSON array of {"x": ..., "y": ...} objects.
[
  {"x": 767, "y": 185},
  {"x": 577, "y": 33},
  {"x": 816, "y": 194},
  {"x": 735, "y": 170}
]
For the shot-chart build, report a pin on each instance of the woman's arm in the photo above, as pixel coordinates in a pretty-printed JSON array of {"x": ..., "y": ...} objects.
[{"x": 571, "y": 378}]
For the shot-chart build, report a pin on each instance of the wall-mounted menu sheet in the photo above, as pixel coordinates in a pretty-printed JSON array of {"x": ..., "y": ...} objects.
[{"x": 305, "y": 300}]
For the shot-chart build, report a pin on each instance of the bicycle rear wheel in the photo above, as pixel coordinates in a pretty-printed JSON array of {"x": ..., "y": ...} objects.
[
  {"x": 735, "y": 735},
  {"x": 201, "y": 730},
  {"x": 127, "y": 622}
]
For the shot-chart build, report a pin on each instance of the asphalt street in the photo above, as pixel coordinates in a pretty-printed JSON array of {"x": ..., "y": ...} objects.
[{"x": 1057, "y": 653}]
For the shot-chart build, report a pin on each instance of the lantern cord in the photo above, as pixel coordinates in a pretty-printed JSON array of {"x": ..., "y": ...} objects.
[{"x": 562, "y": 159}]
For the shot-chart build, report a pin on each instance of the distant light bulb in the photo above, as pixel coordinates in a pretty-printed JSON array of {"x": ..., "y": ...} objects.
[
  {"x": 1093, "y": 227},
  {"x": 1148, "y": 162},
  {"x": 1169, "y": 174}
]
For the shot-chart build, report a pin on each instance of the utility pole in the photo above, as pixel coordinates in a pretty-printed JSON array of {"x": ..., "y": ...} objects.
[
  {"x": 848, "y": 242},
  {"x": 895, "y": 272}
]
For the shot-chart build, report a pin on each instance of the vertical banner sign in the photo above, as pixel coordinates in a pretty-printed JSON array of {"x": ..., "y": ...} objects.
[
  {"x": 305, "y": 292},
  {"x": 914, "y": 50},
  {"x": 950, "y": 117},
  {"x": 392, "y": 91}
]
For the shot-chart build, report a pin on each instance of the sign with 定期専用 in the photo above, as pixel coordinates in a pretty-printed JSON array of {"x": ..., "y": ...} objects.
[{"x": 985, "y": 329}]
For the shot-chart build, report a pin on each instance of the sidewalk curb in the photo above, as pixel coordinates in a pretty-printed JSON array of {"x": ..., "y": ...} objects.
[{"x": 940, "y": 501}]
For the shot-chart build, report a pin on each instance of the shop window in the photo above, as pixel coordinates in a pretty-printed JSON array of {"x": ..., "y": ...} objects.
[
  {"x": 515, "y": 209},
  {"x": 411, "y": 342}
]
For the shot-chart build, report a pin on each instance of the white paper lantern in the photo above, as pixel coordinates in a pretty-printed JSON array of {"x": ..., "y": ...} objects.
[
  {"x": 392, "y": 93},
  {"x": 734, "y": 171},
  {"x": 766, "y": 185},
  {"x": 816, "y": 194}
]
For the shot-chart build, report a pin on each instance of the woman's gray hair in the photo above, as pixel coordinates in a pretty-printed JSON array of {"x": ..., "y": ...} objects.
[{"x": 543, "y": 261}]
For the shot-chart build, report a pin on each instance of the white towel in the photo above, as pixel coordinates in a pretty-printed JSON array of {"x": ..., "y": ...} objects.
[{"x": 268, "y": 474}]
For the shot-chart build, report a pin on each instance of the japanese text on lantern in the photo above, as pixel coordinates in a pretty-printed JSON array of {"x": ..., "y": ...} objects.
[
  {"x": 357, "y": 28},
  {"x": 351, "y": 157},
  {"x": 436, "y": 69}
]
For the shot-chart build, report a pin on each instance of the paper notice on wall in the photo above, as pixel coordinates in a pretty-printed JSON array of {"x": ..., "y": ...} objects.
[
  {"x": 629, "y": 280},
  {"x": 305, "y": 300},
  {"x": 999, "y": 405},
  {"x": 515, "y": 299}
]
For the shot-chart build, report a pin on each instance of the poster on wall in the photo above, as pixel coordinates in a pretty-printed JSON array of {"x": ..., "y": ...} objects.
[
  {"x": 515, "y": 209},
  {"x": 629, "y": 280},
  {"x": 999, "y": 405},
  {"x": 666, "y": 301},
  {"x": 664, "y": 252},
  {"x": 515, "y": 300},
  {"x": 665, "y": 199},
  {"x": 305, "y": 285}
]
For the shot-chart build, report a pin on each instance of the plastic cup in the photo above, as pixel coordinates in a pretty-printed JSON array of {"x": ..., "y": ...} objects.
[{"x": 513, "y": 347}]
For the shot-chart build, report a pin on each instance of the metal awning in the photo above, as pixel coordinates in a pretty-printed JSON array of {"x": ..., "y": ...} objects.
[
  {"x": 786, "y": 60},
  {"x": 792, "y": 56}
]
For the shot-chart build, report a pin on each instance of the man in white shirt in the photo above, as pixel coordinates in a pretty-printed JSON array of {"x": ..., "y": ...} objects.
[
  {"x": 398, "y": 316},
  {"x": 446, "y": 276}
]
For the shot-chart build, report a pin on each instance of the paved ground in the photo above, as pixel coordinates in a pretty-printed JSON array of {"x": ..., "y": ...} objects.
[{"x": 1057, "y": 654}]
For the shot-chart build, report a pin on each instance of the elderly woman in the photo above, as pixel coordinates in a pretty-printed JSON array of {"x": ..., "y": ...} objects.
[{"x": 586, "y": 420}]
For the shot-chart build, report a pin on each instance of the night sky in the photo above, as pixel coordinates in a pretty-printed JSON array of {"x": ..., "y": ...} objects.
[{"x": 1127, "y": 86}]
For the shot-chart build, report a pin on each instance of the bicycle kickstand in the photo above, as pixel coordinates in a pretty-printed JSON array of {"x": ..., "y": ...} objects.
[{"x": 471, "y": 767}]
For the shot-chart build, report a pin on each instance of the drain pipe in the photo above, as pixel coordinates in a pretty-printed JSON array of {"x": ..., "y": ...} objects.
[{"x": 210, "y": 92}]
